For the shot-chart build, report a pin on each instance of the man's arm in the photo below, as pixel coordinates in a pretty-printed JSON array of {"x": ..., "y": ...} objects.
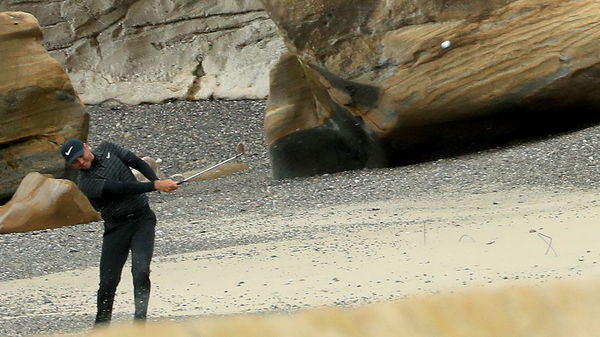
[
  {"x": 130, "y": 159},
  {"x": 137, "y": 163},
  {"x": 99, "y": 188},
  {"x": 134, "y": 161},
  {"x": 113, "y": 187}
]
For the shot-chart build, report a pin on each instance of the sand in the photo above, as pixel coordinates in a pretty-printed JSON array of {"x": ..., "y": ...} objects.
[{"x": 372, "y": 252}]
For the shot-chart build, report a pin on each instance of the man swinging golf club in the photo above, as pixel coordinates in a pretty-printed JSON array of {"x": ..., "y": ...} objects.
[{"x": 106, "y": 179}]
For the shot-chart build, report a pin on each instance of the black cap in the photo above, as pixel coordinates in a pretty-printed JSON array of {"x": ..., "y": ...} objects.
[{"x": 71, "y": 150}]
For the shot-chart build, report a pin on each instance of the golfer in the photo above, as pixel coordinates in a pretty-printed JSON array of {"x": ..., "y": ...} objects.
[{"x": 106, "y": 179}]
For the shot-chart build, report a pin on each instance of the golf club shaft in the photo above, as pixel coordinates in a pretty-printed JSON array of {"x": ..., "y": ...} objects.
[{"x": 208, "y": 169}]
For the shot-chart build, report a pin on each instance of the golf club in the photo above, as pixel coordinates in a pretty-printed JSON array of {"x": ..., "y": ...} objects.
[{"x": 241, "y": 150}]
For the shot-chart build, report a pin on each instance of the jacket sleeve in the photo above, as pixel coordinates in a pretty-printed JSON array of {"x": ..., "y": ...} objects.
[
  {"x": 99, "y": 188},
  {"x": 92, "y": 187},
  {"x": 134, "y": 161},
  {"x": 112, "y": 187},
  {"x": 131, "y": 160}
]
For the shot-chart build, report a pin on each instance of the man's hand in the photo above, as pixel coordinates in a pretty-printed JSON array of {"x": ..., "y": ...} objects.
[{"x": 166, "y": 185}]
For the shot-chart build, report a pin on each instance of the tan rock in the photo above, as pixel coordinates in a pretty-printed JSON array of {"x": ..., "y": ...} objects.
[
  {"x": 558, "y": 309},
  {"x": 345, "y": 37},
  {"x": 42, "y": 202},
  {"x": 38, "y": 106},
  {"x": 511, "y": 67},
  {"x": 307, "y": 132}
]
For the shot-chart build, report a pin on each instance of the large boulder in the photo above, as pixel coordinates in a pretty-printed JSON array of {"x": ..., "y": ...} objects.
[
  {"x": 150, "y": 51},
  {"x": 38, "y": 106},
  {"x": 42, "y": 202},
  {"x": 374, "y": 83}
]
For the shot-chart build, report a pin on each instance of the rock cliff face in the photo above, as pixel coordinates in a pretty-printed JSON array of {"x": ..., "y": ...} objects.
[
  {"x": 38, "y": 106},
  {"x": 373, "y": 83},
  {"x": 149, "y": 51}
]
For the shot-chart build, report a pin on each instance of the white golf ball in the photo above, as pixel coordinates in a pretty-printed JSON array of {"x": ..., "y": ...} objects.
[{"x": 446, "y": 44}]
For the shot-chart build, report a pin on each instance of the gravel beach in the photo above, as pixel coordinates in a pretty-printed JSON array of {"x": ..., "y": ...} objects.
[{"x": 243, "y": 213}]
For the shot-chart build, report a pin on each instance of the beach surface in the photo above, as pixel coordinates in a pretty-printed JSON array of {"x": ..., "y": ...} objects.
[{"x": 524, "y": 213}]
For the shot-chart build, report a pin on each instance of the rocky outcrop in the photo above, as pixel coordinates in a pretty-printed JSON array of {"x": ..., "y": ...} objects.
[
  {"x": 307, "y": 132},
  {"x": 38, "y": 106},
  {"x": 151, "y": 51},
  {"x": 378, "y": 83},
  {"x": 42, "y": 202}
]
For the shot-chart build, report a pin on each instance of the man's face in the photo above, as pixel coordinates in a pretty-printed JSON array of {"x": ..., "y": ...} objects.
[{"x": 84, "y": 162}]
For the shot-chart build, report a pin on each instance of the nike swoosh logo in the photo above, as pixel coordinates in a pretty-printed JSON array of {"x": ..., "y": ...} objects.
[
  {"x": 69, "y": 151},
  {"x": 108, "y": 156}
]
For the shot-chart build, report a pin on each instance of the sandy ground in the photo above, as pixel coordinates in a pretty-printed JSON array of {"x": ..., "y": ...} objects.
[{"x": 380, "y": 251}]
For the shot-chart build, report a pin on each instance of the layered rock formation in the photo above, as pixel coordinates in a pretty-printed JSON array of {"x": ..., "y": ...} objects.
[
  {"x": 42, "y": 202},
  {"x": 369, "y": 83},
  {"x": 38, "y": 106},
  {"x": 150, "y": 51},
  {"x": 566, "y": 309}
]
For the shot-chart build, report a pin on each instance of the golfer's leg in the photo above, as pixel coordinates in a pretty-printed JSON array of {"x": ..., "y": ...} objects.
[
  {"x": 142, "y": 248},
  {"x": 115, "y": 248}
]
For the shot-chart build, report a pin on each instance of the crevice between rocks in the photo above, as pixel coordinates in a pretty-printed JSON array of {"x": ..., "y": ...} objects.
[
  {"x": 178, "y": 39},
  {"x": 200, "y": 17},
  {"x": 195, "y": 86}
]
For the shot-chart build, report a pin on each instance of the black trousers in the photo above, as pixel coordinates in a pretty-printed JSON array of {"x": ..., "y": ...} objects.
[{"x": 137, "y": 235}]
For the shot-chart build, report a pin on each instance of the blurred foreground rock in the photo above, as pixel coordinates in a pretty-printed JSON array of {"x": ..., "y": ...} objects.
[
  {"x": 42, "y": 202},
  {"x": 38, "y": 106},
  {"x": 559, "y": 309},
  {"x": 369, "y": 83}
]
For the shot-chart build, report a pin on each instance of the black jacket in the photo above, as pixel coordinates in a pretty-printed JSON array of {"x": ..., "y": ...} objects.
[{"x": 111, "y": 186}]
